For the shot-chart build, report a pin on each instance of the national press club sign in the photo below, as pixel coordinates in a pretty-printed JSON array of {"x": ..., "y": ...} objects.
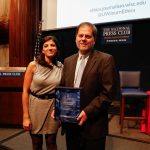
[{"x": 116, "y": 34}]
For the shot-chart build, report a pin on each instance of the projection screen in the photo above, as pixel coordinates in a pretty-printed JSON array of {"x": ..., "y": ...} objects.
[{"x": 68, "y": 13}]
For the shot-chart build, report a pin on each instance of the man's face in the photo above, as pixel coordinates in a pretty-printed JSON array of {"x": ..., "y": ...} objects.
[{"x": 84, "y": 39}]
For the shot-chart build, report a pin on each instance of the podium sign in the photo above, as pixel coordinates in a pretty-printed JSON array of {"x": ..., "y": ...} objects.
[{"x": 67, "y": 104}]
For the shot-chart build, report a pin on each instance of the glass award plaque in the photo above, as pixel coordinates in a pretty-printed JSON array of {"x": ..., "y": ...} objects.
[{"x": 67, "y": 104}]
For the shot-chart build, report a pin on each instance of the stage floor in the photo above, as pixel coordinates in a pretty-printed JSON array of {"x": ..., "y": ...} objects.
[
  {"x": 18, "y": 139},
  {"x": 131, "y": 130}
]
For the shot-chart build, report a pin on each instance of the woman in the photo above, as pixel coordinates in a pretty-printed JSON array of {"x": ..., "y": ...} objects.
[{"x": 41, "y": 78}]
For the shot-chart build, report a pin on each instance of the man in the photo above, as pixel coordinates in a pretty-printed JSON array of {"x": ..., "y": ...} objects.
[{"x": 99, "y": 88}]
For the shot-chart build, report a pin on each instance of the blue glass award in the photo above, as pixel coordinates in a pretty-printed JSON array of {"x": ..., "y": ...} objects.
[{"x": 67, "y": 104}]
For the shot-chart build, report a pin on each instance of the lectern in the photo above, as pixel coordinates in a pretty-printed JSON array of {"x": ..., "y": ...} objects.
[{"x": 11, "y": 81}]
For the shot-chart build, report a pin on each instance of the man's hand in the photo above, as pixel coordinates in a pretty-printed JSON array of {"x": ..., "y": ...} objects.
[
  {"x": 82, "y": 118},
  {"x": 52, "y": 114}
]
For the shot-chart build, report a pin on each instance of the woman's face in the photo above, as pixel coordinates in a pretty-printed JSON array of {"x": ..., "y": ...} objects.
[{"x": 49, "y": 48}]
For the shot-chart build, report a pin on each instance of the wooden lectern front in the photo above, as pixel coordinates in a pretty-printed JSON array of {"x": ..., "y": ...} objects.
[{"x": 11, "y": 82}]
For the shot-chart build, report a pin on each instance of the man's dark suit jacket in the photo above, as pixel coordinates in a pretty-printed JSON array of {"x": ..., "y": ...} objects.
[{"x": 100, "y": 86}]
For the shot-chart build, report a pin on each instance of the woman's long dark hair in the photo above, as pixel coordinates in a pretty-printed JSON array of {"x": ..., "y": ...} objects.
[{"x": 41, "y": 58}]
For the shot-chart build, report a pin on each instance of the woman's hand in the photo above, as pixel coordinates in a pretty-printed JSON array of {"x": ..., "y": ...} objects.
[{"x": 27, "y": 124}]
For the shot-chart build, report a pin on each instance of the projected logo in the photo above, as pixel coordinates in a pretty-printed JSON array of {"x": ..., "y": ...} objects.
[{"x": 116, "y": 34}]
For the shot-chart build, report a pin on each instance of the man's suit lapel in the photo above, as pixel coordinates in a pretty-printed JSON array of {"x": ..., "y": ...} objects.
[
  {"x": 89, "y": 66},
  {"x": 73, "y": 68}
]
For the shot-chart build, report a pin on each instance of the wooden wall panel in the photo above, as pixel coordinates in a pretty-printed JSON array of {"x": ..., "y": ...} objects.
[{"x": 23, "y": 26}]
